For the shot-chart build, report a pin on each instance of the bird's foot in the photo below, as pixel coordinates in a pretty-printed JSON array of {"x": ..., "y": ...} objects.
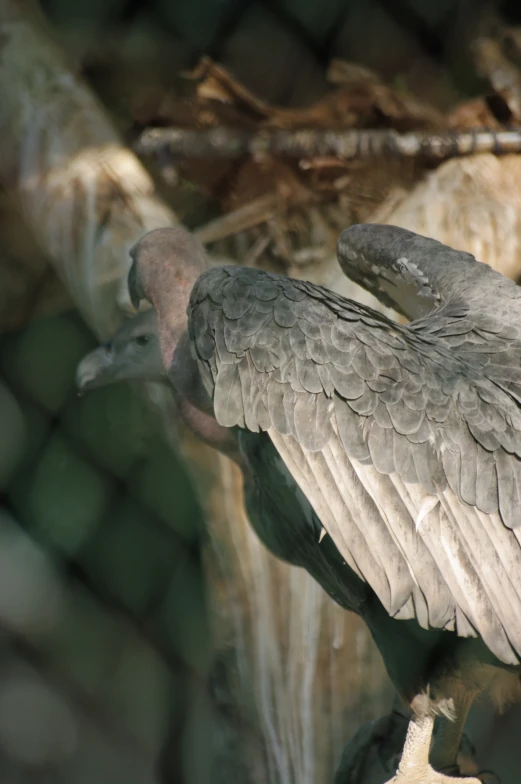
[
  {"x": 414, "y": 767},
  {"x": 373, "y": 755},
  {"x": 484, "y": 776},
  {"x": 427, "y": 775}
]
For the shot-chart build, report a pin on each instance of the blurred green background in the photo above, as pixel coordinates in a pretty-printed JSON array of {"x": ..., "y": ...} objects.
[{"x": 101, "y": 587}]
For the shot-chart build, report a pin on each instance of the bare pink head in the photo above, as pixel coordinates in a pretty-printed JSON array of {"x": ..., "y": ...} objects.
[{"x": 166, "y": 264}]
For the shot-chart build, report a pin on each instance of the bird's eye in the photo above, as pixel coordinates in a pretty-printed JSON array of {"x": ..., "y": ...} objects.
[{"x": 142, "y": 340}]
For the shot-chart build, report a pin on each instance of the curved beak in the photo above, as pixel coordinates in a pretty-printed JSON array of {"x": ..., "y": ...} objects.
[
  {"x": 90, "y": 372},
  {"x": 135, "y": 289}
]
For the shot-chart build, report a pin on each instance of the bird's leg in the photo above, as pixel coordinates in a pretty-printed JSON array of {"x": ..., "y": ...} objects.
[
  {"x": 414, "y": 766},
  {"x": 415, "y": 755},
  {"x": 448, "y": 734}
]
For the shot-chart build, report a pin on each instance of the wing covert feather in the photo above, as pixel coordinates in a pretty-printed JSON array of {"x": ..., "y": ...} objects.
[{"x": 373, "y": 419}]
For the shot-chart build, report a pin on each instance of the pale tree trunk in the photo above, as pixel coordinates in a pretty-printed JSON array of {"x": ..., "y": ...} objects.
[
  {"x": 306, "y": 673},
  {"x": 472, "y": 204},
  {"x": 83, "y": 194}
]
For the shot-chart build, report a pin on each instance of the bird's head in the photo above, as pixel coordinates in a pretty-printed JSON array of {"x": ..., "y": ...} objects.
[
  {"x": 133, "y": 353},
  {"x": 165, "y": 265}
]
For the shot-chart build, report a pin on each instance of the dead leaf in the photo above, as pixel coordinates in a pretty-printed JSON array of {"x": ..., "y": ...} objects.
[
  {"x": 503, "y": 77},
  {"x": 216, "y": 83},
  {"x": 472, "y": 114},
  {"x": 341, "y": 72},
  {"x": 362, "y": 101}
]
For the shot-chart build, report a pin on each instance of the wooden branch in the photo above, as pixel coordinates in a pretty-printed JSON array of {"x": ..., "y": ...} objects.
[
  {"x": 83, "y": 194},
  {"x": 243, "y": 218},
  {"x": 174, "y": 144}
]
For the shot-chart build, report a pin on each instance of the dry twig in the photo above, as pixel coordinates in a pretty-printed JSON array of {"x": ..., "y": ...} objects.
[{"x": 176, "y": 143}]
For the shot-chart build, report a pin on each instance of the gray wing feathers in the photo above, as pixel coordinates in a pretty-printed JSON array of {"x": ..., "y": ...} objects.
[
  {"x": 414, "y": 274},
  {"x": 409, "y": 455},
  {"x": 301, "y": 471}
]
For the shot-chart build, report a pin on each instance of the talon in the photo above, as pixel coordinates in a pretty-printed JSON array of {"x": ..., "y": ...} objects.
[
  {"x": 427, "y": 775},
  {"x": 488, "y": 777}
]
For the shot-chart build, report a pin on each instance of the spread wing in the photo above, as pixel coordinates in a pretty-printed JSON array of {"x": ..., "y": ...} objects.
[
  {"x": 409, "y": 455},
  {"x": 472, "y": 308},
  {"x": 413, "y": 274}
]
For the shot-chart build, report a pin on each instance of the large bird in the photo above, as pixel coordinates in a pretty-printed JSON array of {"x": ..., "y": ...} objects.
[
  {"x": 405, "y": 441},
  {"x": 276, "y": 506},
  {"x": 133, "y": 354}
]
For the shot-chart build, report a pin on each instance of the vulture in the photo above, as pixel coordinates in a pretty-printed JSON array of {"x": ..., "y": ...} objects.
[
  {"x": 383, "y": 458},
  {"x": 134, "y": 354}
]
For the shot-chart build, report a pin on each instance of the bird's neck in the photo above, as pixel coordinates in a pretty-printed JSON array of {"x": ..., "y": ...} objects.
[
  {"x": 170, "y": 330},
  {"x": 206, "y": 428},
  {"x": 194, "y": 404},
  {"x": 180, "y": 364}
]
